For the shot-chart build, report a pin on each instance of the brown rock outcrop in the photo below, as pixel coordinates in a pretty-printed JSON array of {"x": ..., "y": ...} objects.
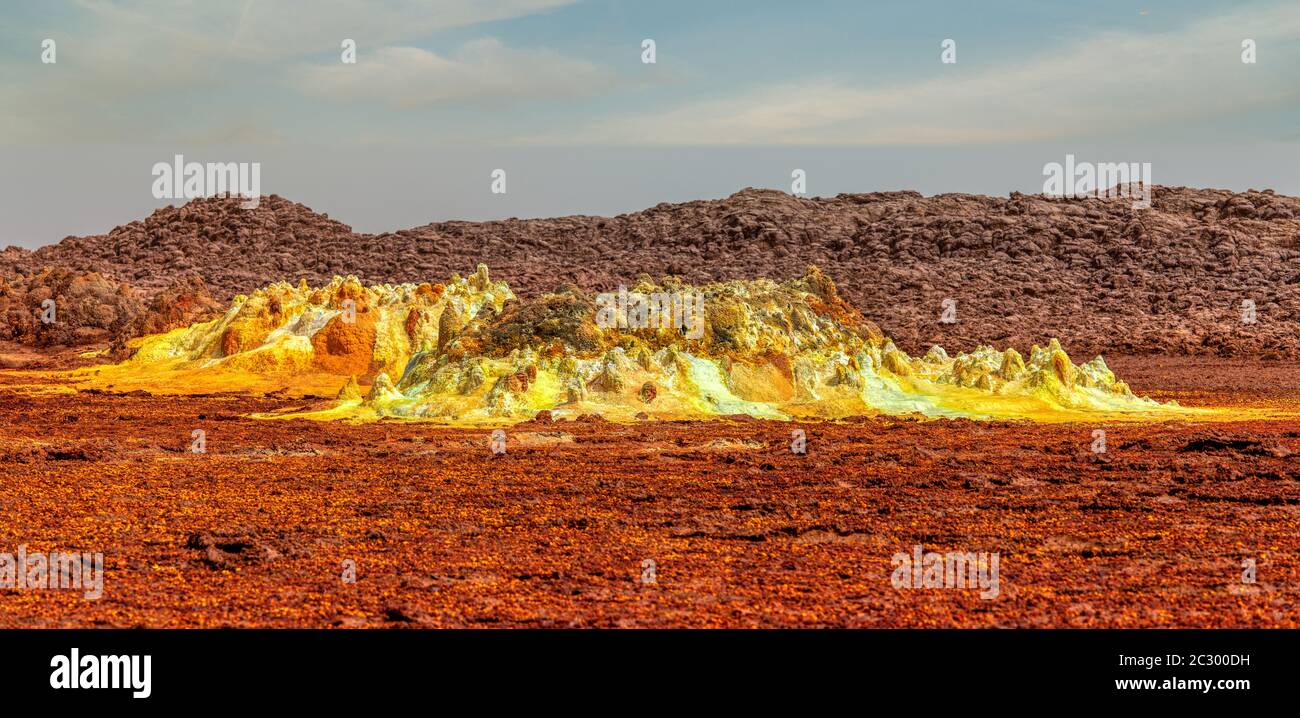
[{"x": 1098, "y": 273}]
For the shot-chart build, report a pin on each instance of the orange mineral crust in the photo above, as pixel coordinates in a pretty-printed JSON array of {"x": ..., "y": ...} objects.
[{"x": 559, "y": 530}]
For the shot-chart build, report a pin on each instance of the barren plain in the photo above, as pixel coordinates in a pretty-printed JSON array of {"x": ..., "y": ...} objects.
[{"x": 741, "y": 530}]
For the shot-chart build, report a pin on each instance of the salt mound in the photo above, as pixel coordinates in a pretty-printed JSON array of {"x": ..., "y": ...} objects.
[{"x": 468, "y": 352}]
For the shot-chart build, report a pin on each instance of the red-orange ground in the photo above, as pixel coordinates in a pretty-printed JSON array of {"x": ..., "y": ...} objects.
[{"x": 743, "y": 532}]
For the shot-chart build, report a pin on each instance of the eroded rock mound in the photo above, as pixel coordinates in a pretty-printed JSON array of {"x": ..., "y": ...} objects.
[{"x": 60, "y": 306}]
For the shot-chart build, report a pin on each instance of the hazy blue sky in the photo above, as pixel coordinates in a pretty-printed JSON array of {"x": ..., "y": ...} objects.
[{"x": 137, "y": 80}]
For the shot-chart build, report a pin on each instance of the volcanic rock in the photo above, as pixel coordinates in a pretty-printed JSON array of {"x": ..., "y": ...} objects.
[{"x": 1103, "y": 276}]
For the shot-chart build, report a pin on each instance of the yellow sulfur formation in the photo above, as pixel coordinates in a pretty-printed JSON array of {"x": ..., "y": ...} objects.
[
  {"x": 302, "y": 339},
  {"x": 468, "y": 353}
]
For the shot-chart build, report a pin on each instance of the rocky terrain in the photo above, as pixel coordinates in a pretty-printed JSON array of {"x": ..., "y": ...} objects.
[
  {"x": 1101, "y": 276},
  {"x": 558, "y": 531},
  {"x": 58, "y": 307},
  {"x": 739, "y": 528}
]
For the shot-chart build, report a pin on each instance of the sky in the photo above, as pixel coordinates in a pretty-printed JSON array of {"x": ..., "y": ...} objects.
[{"x": 557, "y": 93}]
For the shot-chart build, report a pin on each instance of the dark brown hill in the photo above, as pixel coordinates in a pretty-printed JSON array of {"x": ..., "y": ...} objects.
[{"x": 1096, "y": 273}]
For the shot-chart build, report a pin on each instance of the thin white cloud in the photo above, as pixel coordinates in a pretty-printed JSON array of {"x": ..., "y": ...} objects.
[
  {"x": 269, "y": 29},
  {"x": 1107, "y": 83},
  {"x": 123, "y": 64},
  {"x": 482, "y": 70}
]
